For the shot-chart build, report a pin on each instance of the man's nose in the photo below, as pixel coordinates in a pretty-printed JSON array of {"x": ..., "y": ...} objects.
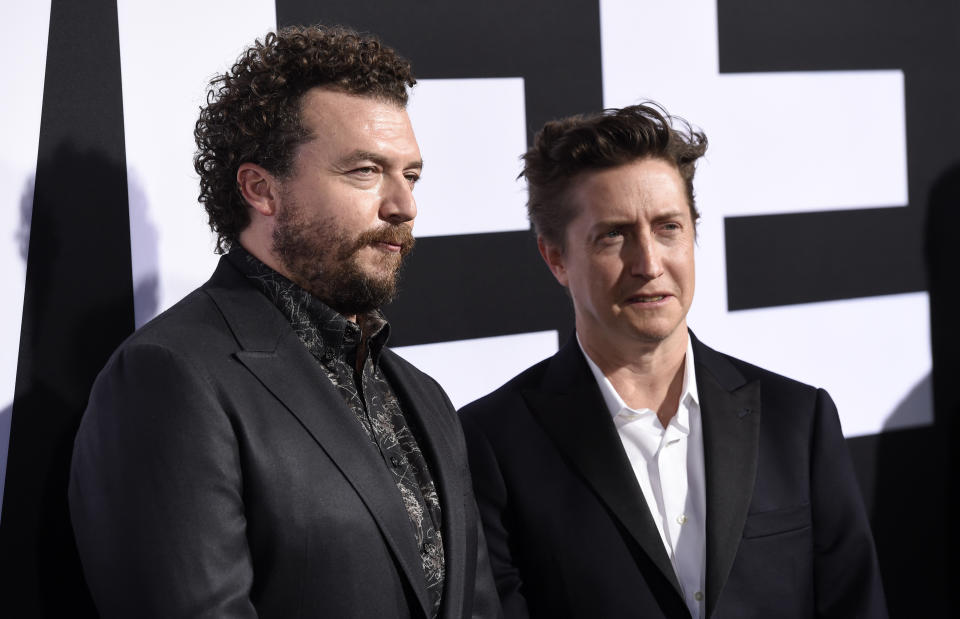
[
  {"x": 398, "y": 203},
  {"x": 646, "y": 260}
]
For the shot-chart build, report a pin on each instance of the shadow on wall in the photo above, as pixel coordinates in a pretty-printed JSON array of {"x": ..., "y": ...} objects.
[
  {"x": 914, "y": 409},
  {"x": 913, "y": 467},
  {"x": 943, "y": 267},
  {"x": 77, "y": 309},
  {"x": 942, "y": 249},
  {"x": 22, "y": 238},
  {"x": 5, "y": 415},
  {"x": 145, "y": 258}
]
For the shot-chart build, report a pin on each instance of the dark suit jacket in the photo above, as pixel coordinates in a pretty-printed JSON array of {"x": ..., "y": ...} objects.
[
  {"x": 217, "y": 473},
  {"x": 570, "y": 534}
]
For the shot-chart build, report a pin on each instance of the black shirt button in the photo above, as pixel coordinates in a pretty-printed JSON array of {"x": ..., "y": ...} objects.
[{"x": 395, "y": 461}]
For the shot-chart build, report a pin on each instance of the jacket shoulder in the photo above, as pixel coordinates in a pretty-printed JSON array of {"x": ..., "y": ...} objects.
[
  {"x": 727, "y": 368},
  {"x": 192, "y": 332},
  {"x": 189, "y": 324},
  {"x": 781, "y": 397},
  {"x": 506, "y": 398}
]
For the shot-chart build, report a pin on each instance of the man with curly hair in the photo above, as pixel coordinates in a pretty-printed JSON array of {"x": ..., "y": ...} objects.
[
  {"x": 257, "y": 450},
  {"x": 638, "y": 472}
]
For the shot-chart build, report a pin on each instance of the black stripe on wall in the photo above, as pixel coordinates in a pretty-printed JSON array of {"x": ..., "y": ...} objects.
[
  {"x": 804, "y": 257},
  {"x": 78, "y": 304},
  {"x": 477, "y": 285}
]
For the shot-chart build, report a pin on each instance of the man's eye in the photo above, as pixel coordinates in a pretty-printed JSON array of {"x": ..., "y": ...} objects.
[
  {"x": 610, "y": 237},
  {"x": 412, "y": 177},
  {"x": 364, "y": 171}
]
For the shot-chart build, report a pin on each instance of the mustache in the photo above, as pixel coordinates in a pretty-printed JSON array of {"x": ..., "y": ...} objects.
[{"x": 396, "y": 234}]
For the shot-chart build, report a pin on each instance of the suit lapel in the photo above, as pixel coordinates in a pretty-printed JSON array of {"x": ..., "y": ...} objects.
[
  {"x": 571, "y": 410},
  {"x": 271, "y": 351},
  {"x": 433, "y": 419},
  {"x": 730, "y": 413}
]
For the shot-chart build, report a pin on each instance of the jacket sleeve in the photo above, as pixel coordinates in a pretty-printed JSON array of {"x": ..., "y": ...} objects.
[
  {"x": 156, "y": 493},
  {"x": 492, "y": 503},
  {"x": 847, "y": 576}
]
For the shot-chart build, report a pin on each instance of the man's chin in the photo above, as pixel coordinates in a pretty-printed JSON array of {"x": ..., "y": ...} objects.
[
  {"x": 655, "y": 332},
  {"x": 362, "y": 294}
]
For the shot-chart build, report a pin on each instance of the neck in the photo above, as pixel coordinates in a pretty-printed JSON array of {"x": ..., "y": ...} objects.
[
  {"x": 644, "y": 374},
  {"x": 260, "y": 246}
]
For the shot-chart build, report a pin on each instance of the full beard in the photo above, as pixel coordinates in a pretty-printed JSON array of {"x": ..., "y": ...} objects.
[{"x": 323, "y": 260}]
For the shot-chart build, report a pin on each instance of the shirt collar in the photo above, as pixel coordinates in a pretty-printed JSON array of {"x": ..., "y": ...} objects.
[
  {"x": 615, "y": 405},
  {"x": 316, "y": 324}
]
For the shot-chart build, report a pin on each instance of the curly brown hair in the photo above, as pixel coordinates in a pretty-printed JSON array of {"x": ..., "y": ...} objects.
[
  {"x": 564, "y": 148},
  {"x": 253, "y": 111}
]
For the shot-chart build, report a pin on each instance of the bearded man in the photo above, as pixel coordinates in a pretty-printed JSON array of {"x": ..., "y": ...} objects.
[{"x": 256, "y": 450}]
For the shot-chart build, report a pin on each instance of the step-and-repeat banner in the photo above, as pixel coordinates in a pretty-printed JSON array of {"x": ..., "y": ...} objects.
[{"x": 825, "y": 138}]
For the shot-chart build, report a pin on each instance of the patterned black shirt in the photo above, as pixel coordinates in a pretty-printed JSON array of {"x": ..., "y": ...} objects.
[{"x": 349, "y": 355}]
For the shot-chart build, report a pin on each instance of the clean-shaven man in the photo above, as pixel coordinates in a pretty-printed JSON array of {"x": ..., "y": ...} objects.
[{"x": 638, "y": 472}]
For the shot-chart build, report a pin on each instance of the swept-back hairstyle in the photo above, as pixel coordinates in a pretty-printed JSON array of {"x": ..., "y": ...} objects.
[
  {"x": 564, "y": 148},
  {"x": 252, "y": 112}
]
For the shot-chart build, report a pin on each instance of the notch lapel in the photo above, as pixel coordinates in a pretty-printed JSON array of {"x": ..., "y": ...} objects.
[
  {"x": 571, "y": 410},
  {"x": 730, "y": 413},
  {"x": 271, "y": 351},
  {"x": 434, "y": 418}
]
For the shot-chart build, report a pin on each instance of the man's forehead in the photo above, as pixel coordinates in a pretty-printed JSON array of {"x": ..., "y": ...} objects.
[
  {"x": 627, "y": 192},
  {"x": 324, "y": 105},
  {"x": 349, "y": 126},
  {"x": 638, "y": 177}
]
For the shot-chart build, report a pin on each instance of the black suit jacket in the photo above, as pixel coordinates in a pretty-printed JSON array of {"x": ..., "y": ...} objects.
[
  {"x": 570, "y": 534},
  {"x": 217, "y": 473}
]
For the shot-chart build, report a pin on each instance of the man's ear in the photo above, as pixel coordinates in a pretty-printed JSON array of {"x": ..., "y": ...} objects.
[
  {"x": 554, "y": 258},
  {"x": 259, "y": 188}
]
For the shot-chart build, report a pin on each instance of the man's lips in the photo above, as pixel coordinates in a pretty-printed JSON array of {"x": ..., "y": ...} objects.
[
  {"x": 391, "y": 247},
  {"x": 649, "y": 299},
  {"x": 396, "y": 239}
]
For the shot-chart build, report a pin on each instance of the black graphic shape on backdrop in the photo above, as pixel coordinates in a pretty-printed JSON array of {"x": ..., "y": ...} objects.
[
  {"x": 505, "y": 287},
  {"x": 78, "y": 304},
  {"x": 555, "y": 48},
  {"x": 803, "y": 257},
  {"x": 781, "y": 259}
]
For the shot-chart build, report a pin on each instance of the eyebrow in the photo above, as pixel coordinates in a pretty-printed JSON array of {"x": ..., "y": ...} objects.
[
  {"x": 668, "y": 215},
  {"x": 617, "y": 222},
  {"x": 612, "y": 223},
  {"x": 603, "y": 226},
  {"x": 365, "y": 155}
]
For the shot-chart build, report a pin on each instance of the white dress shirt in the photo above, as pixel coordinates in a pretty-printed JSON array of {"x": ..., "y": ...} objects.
[{"x": 668, "y": 464}]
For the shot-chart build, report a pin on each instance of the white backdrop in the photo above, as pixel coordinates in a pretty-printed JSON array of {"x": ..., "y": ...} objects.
[{"x": 25, "y": 27}]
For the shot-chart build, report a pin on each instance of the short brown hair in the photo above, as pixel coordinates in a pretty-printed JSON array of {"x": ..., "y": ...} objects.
[
  {"x": 252, "y": 113},
  {"x": 564, "y": 148}
]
